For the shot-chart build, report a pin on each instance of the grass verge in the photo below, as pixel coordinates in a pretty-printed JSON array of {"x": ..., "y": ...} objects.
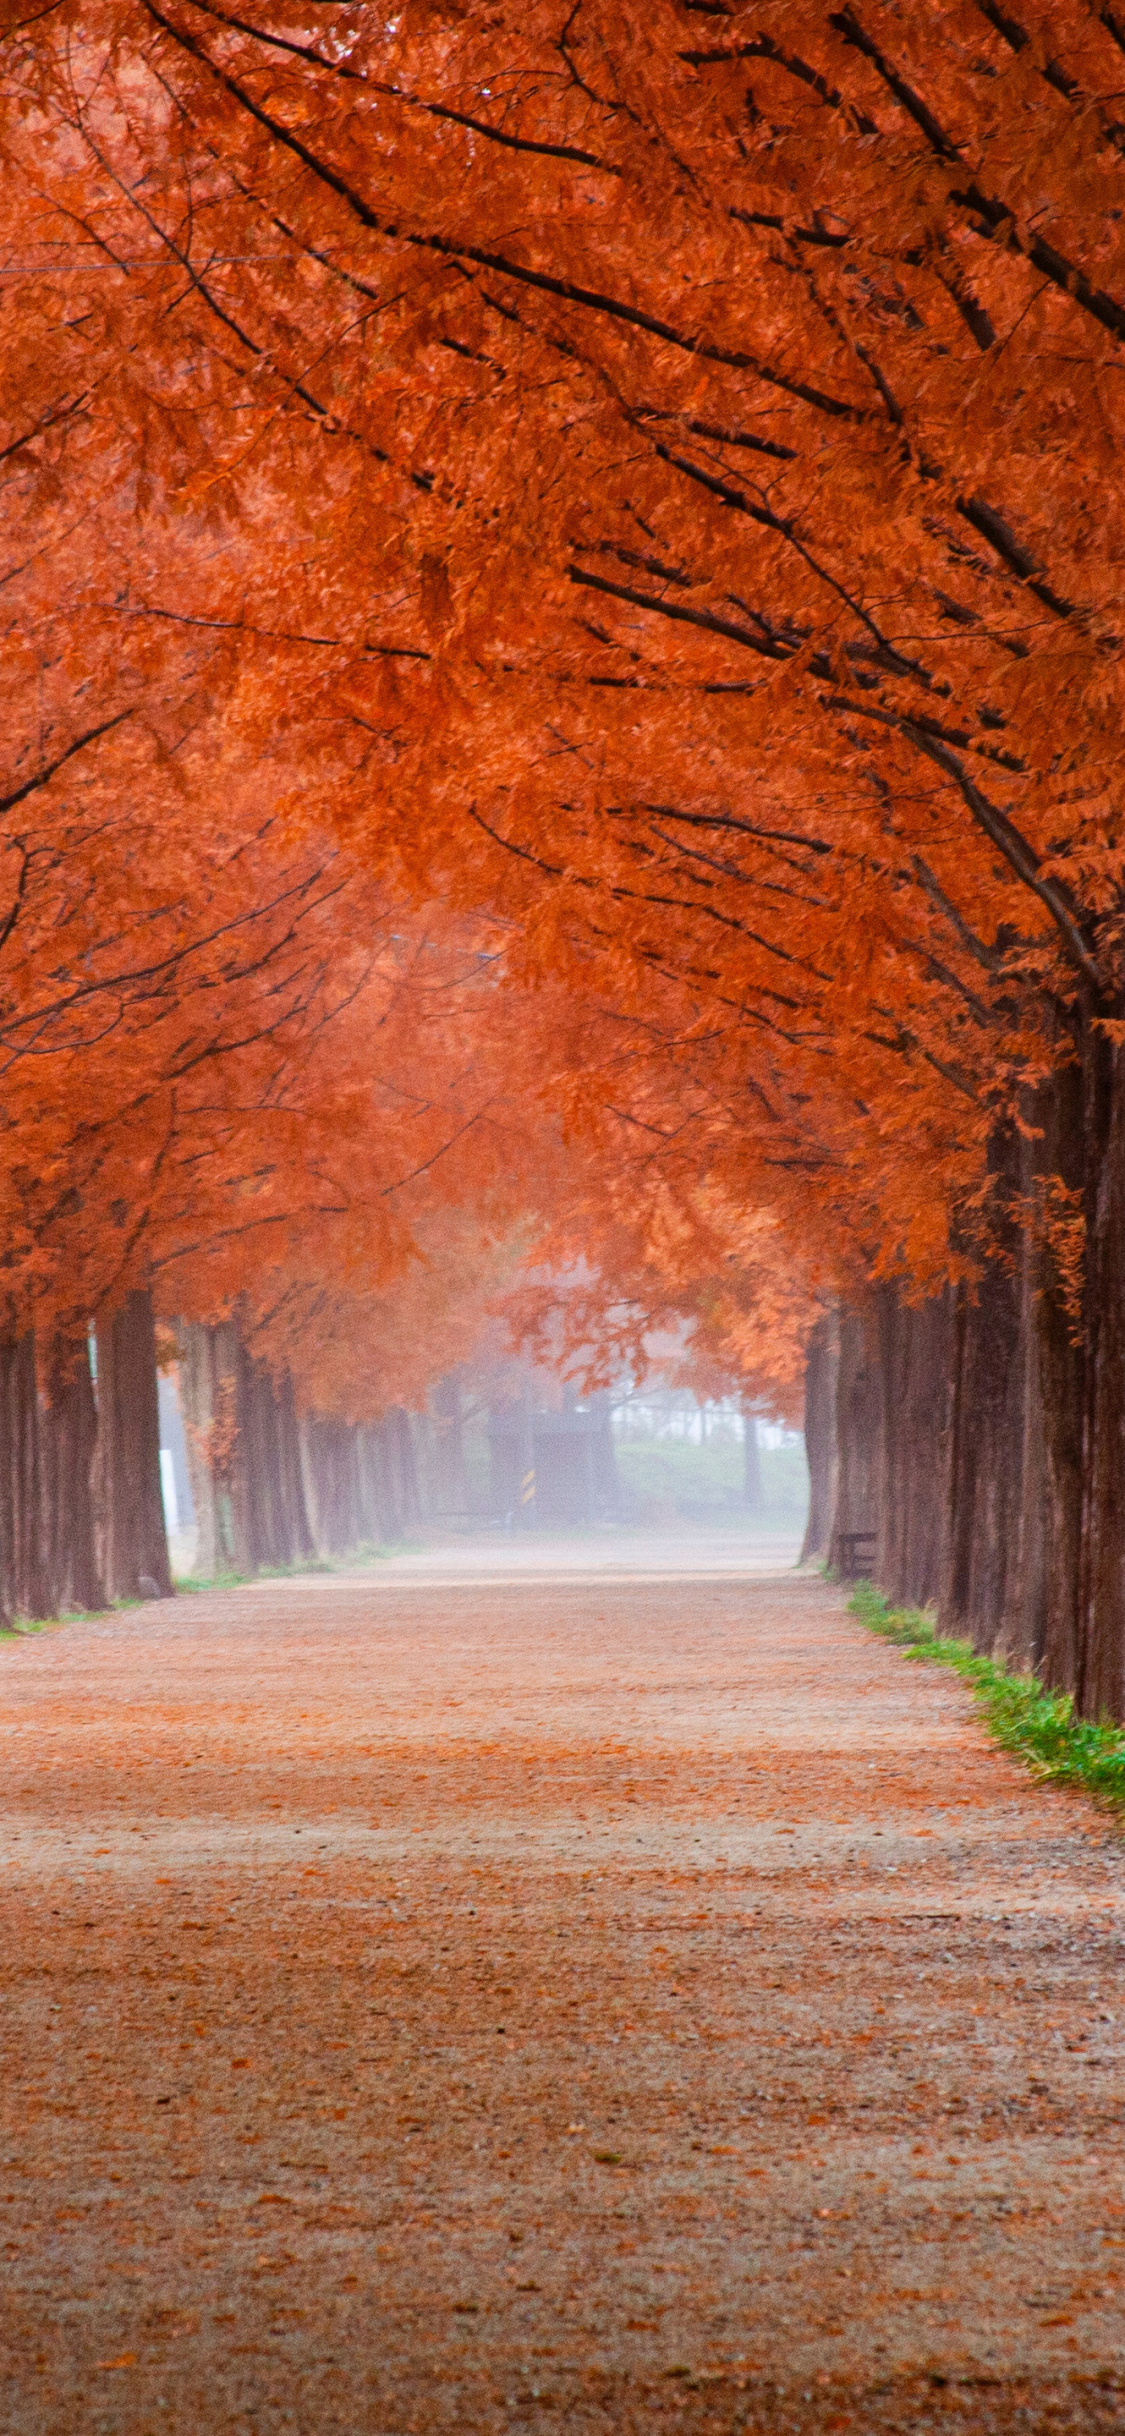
[
  {"x": 369, "y": 1552},
  {"x": 1037, "y": 1726}
]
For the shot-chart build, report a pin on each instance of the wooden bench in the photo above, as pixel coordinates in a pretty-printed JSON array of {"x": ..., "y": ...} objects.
[{"x": 853, "y": 1554}]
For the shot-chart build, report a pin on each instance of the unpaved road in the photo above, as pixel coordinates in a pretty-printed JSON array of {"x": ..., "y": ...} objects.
[{"x": 442, "y": 2004}]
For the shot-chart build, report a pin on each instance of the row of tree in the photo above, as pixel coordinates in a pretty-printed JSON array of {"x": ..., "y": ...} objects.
[{"x": 642, "y": 478}]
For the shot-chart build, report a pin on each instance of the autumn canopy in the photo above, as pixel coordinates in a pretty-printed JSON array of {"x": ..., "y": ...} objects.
[{"x": 563, "y": 700}]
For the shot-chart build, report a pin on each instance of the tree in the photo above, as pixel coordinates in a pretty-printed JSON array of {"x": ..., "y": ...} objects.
[{"x": 717, "y": 408}]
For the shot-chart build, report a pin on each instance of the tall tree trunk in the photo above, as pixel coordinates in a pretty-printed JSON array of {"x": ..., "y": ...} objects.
[
  {"x": 1099, "y": 1684},
  {"x": 333, "y": 1484},
  {"x": 298, "y": 1525},
  {"x": 384, "y": 1474},
  {"x": 916, "y": 1357},
  {"x": 367, "y": 1470},
  {"x": 28, "y": 1589},
  {"x": 134, "y": 1545},
  {"x": 209, "y": 1382},
  {"x": 751, "y": 1464},
  {"x": 233, "y": 1470},
  {"x": 408, "y": 1467},
  {"x": 244, "y": 1453},
  {"x": 69, "y": 1429},
  {"x": 198, "y": 1391},
  {"x": 821, "y": 1368},
  {"x": 985, "y": 1448},
  {"x": 1026, "y": 1627},
  {"x": 860, "y": 1445},
  {"x": 258, "y": 1466},
  {"x": 995, "y": 1584},
  {"x": 1060, "y": 1325},
  {"x": 449, "y": 1453}
]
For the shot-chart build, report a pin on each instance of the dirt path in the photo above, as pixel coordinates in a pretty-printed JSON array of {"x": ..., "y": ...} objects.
[{"x": 434, "y": 2005}]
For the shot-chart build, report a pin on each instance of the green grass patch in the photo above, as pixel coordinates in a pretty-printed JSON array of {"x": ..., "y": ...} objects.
[
  {"x": 234, "y": 1581},
  {"x": 1037, "y": 1726},
  {"x": 369, "y": 1552},
  {"x": 669, "y": 1478}
]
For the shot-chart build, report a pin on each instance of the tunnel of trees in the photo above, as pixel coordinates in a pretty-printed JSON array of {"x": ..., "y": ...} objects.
[{"x": 563, "y": 709}]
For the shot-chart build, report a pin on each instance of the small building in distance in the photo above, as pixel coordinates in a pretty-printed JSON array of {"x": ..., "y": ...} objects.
[{"x": 552, "y": 1470}]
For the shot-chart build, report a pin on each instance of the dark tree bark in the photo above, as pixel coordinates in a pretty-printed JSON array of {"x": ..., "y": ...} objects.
[
  {"x": 1061, "y": 1365},
  {"x": 859, "y": 1442},
  {"x": 1074, "y": 1478},
  {"x": 995, "y": 1585},
  {"x": 985, "y": 1458},
  {"x": 259, "y": 1468},
  {"x": 821, "y": 1369},
  {"x": 69, "y": 1429},
  {"x": 916, "y": 1358},
  {"x": 1099, "y": 1675},
  {"x": 133, "y": 1543},
  {"x": 982, "y": 1435},
  {"x": 27, "y": 1586}
]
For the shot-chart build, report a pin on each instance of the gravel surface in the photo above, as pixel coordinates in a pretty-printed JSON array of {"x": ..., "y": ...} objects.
[{"x": 617, "y": 2002}]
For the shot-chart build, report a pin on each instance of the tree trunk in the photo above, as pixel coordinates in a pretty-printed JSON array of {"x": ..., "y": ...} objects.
[
  {"x": 298, "y": 1527},
  {"x": 859, "y": 1440},
  {"x": 134, "y": 1546},
  {"x": 390, "y": 1486},
  {"x": 821, "y": 1369},
  {"x": 1037, "y": 1556},
  {"x": 916, "y": 1359},
  {"x": 1061, "y": 1365},
  {"x": 387, "y": 1509},
  {"x": 995, "y": 1584},
  {"x": 332, "y": 1481},
  {"x": 209, "y": 1363},
  {"x": 28, "y": 1589},
  {"x": 1099, "y": 1685},
  {"x": 449, "y": 1455},
  {"x": 259, "y": 1466},
  {"x": 984, "y": 1458},
  {"x": 244, "y": 1454},
  {"x": 751, "y": 1464},
  {"x": 411, "y": 1503},
  {"x": 197, "y": 1389},
  {"x": 69, "y": 1429}
]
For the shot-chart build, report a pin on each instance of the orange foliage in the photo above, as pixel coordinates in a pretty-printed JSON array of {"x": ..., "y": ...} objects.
[{"x": 644, "y": 472}]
